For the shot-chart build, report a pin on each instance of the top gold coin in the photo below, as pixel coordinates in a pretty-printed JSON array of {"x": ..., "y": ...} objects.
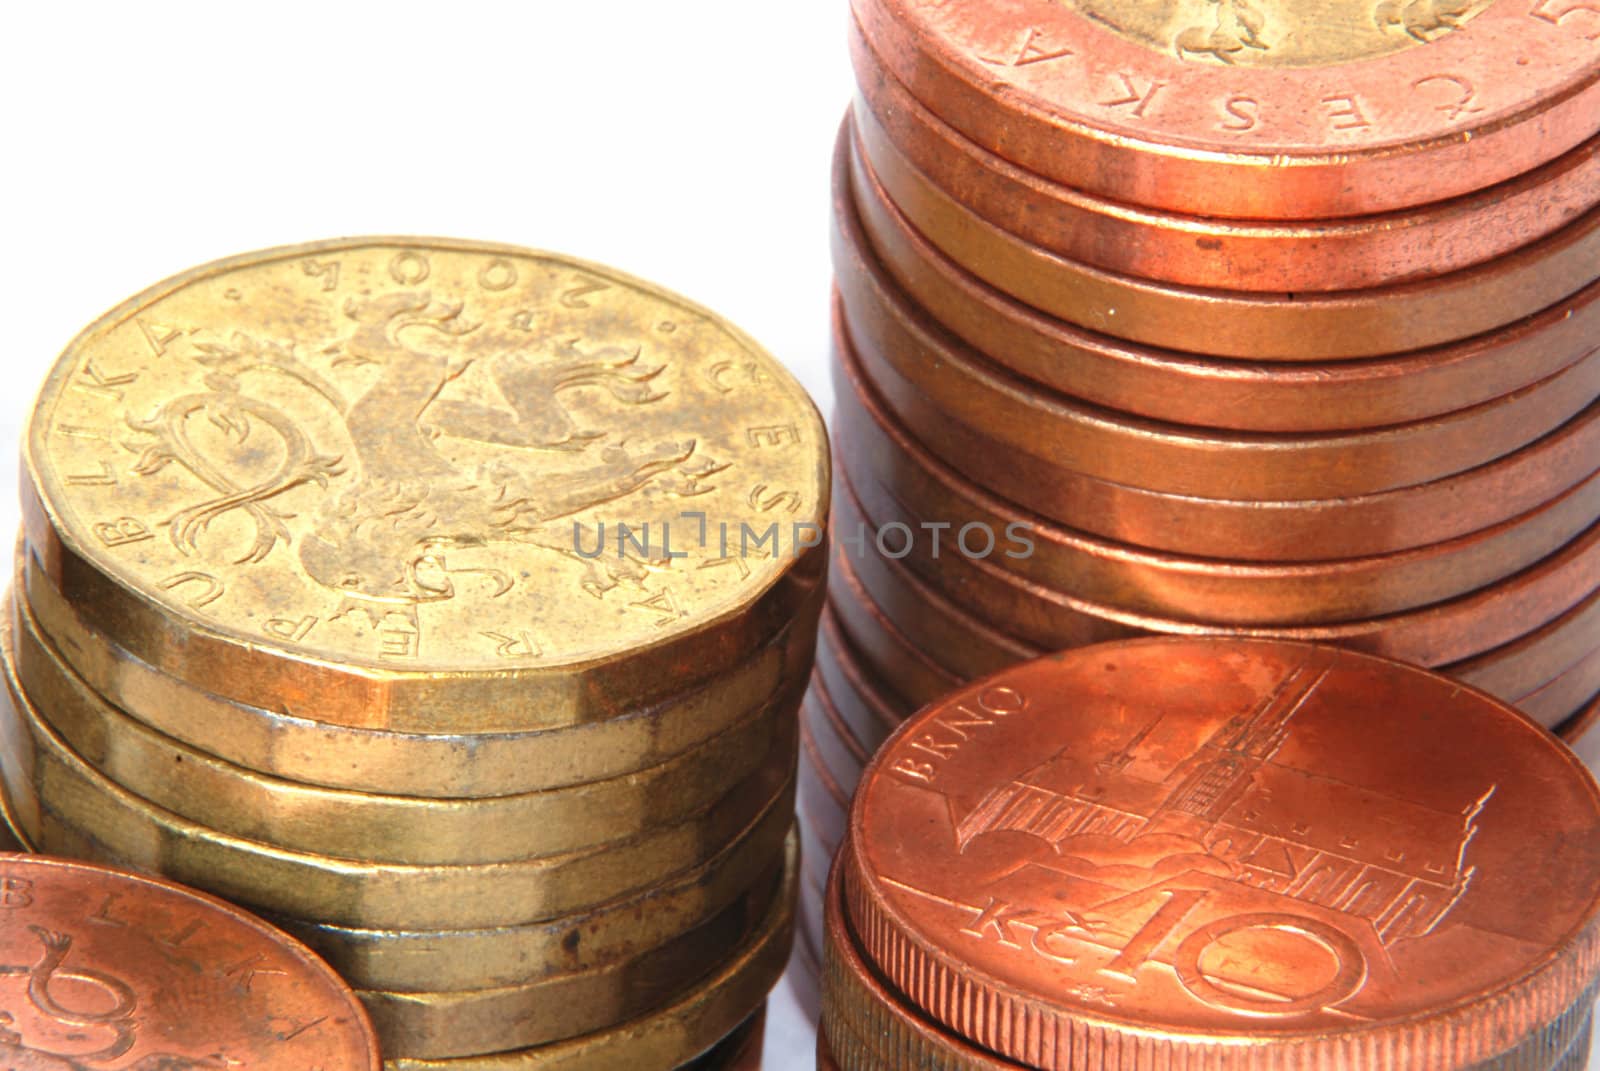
[{"x": 425, "y": 485}]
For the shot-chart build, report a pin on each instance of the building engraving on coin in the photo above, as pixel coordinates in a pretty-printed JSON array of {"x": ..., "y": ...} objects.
[
  {"x": 428, "y": 455},
  {"x": 1286, "y": 35},
  {"x": 1203, "y": 864}
]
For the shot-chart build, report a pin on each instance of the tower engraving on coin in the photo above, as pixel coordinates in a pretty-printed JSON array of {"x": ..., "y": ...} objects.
[{"x": 429, "y": 454}]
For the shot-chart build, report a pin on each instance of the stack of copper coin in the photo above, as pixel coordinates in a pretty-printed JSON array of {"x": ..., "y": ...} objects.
[
  {"x": 449, "y": 605},
  {"x": 1238, "y": 316},
  {"x": 1216, "y": 853}
]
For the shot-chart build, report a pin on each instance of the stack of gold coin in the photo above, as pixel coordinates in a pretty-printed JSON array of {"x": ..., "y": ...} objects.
[
  {"x": 450, "y": 605},
  {"x": 1226, "y": 316},
  {"x": 1222, "y": 854}
]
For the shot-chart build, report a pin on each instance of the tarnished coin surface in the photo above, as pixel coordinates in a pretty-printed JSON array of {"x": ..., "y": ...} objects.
[
  {"x": 100, "y": 968},
  {"x": 1168, "y": 848},
  {"x": 424, "y": 485},
  {"x": 1256, "y": 109}
]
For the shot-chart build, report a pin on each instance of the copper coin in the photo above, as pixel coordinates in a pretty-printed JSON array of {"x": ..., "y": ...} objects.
[
  {"x": 842, "y": 755},
  {"x": 1246, "y": 530},
  {"x": 1184, "y": 388},
  {"x": 906, "y": 351},
  {"x": 1267, "y": 110},
  {"x": 1437, "y": 635},
  {"x": 905, "y": 484},
  {"x": 1579, "y": 733},
  {"x": 871, "y": 710},
  {"x": 1563, "y": 698},
  {"x": 1335, "y": 325},
  {"x": 102, "y": 967},
  {"x": 1203, "y": 843},
  {"x": 825, "y": 1061},
  {"x": 881, "y": 647},
  {"x": 1196, "y": 250},
  {"x": 1517, "y": 668}
]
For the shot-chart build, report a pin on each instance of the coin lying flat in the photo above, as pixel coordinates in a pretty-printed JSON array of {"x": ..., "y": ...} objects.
[
  {"x": 1163, "y": 848},
  {"x": 63, "y": 805},
  {"x": 441, "y": 1025},
  {"x": 668, "y": 1037},
  {"x": 1276, "y": 327},
  {"x": 443, "y": 960},
  {"x": 1261, "y": 110},
  {"x": 373, "y": 828},
  {"x": 1184, "y": 388},
  {"x": 425, "y": 486},
  {"x": 99, "y": 966},
  {"x": 459, "y": 766},
  {"x": 1196, "y": 250}
]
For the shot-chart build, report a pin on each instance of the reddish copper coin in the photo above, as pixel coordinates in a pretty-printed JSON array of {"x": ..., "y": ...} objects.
[
  {"x": 99, "y": 966},
  {"x": 1267, "y": 110},
  {"x": 1219, "y": 853},
  {"x": 1242, "y": 529},
  {"x": 880, "y": 646},
  {"x": 1517, "y": 668},
  {"x": 906, "y": 350},
  {"x": 902, "y": 483},
  {"x": 1265, "y": 255},
  {"x": 1560, "y": 700},
  {"x": 1185, "y": 388},
  {"x": 825, "y": 1060},
  {"x": 841, "y": 754},
  {"x": 1579, "y": 733},
  {"x": 869, "y": 707},
  {"x": 1284, "y": 326},
  {"x": 1437, "y": 635}
]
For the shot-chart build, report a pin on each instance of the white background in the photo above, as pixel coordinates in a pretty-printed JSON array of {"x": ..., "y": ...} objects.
[{"x": 687, "y": 143}]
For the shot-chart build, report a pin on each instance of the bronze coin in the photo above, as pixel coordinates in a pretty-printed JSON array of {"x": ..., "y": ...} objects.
[
  {"x": 825, "y": 1061},
  {"x": 1185, "y": 388},
  {"x": 1514, "y": 669},
  {"x": 1225, "y": 845},
  {"x": 903, "y": 483},
  {"x": 1288, "y": 327},
  {"x": 1196, "y": 250},
  {"x": 739, "y": 1051},
  {"x": 905, "y": 351},
  {"x": 1243, "y": 529},
  {"x": 1267, "y": 110},
  {"x": 1563, "y": 698},
  {"x": 1436, "y": 635},
  {"x": 102, "y": 967}
]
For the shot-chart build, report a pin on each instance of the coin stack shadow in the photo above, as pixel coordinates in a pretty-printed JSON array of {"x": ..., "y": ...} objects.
[
  {"x": 1065, "y": 417},
  {"x": 536, "y": 806}
]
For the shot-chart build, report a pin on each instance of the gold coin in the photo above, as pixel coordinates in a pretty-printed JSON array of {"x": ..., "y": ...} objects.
[
  {"x": 669, "y": 1037},
  {"x": 424, "y": 485},
  {"x": 64, "y": 807},
  {"x": 480, "y": 765},
  {"x": 446, "y": 1025},
  {"x": 444, "y": 960},
  {"x": 373, "y": 828}
]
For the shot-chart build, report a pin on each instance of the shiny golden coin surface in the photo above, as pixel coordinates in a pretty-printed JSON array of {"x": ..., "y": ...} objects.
[
  {"x": 442, "y": 1025},
  {"x": 372, "y": 828},
  {"x": 64, "y": 806},
  {"x": 100, "y": 968},
  {"x": 374, "y": 760},
  {"x": 1199, "y": 852},
  {"x": 398, "y": 961},
  {"x": 668, "y": 1037},
  {"x": 424, "y": 485}
]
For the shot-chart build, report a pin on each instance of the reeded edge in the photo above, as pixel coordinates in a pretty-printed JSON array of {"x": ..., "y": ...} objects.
[
  {"x": 420, "y": 688},
  {"x": 310, "y": 960},
  {"x": 1003, "y": 1015}
]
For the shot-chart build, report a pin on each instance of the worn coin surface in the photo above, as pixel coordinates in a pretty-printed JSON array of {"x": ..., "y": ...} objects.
[
  {"x": 1262, "y": 109},
  {"x": 426, "y": 486},
  {"x": 667, "y": 1037},
  {"x": 1196, "y": 250},
  {"x": 1165, "y": 847},
  {"x": 99, "y": 967},
  {"x": 1185, "y": 388},
  {"x": 382, "y": 828}
]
